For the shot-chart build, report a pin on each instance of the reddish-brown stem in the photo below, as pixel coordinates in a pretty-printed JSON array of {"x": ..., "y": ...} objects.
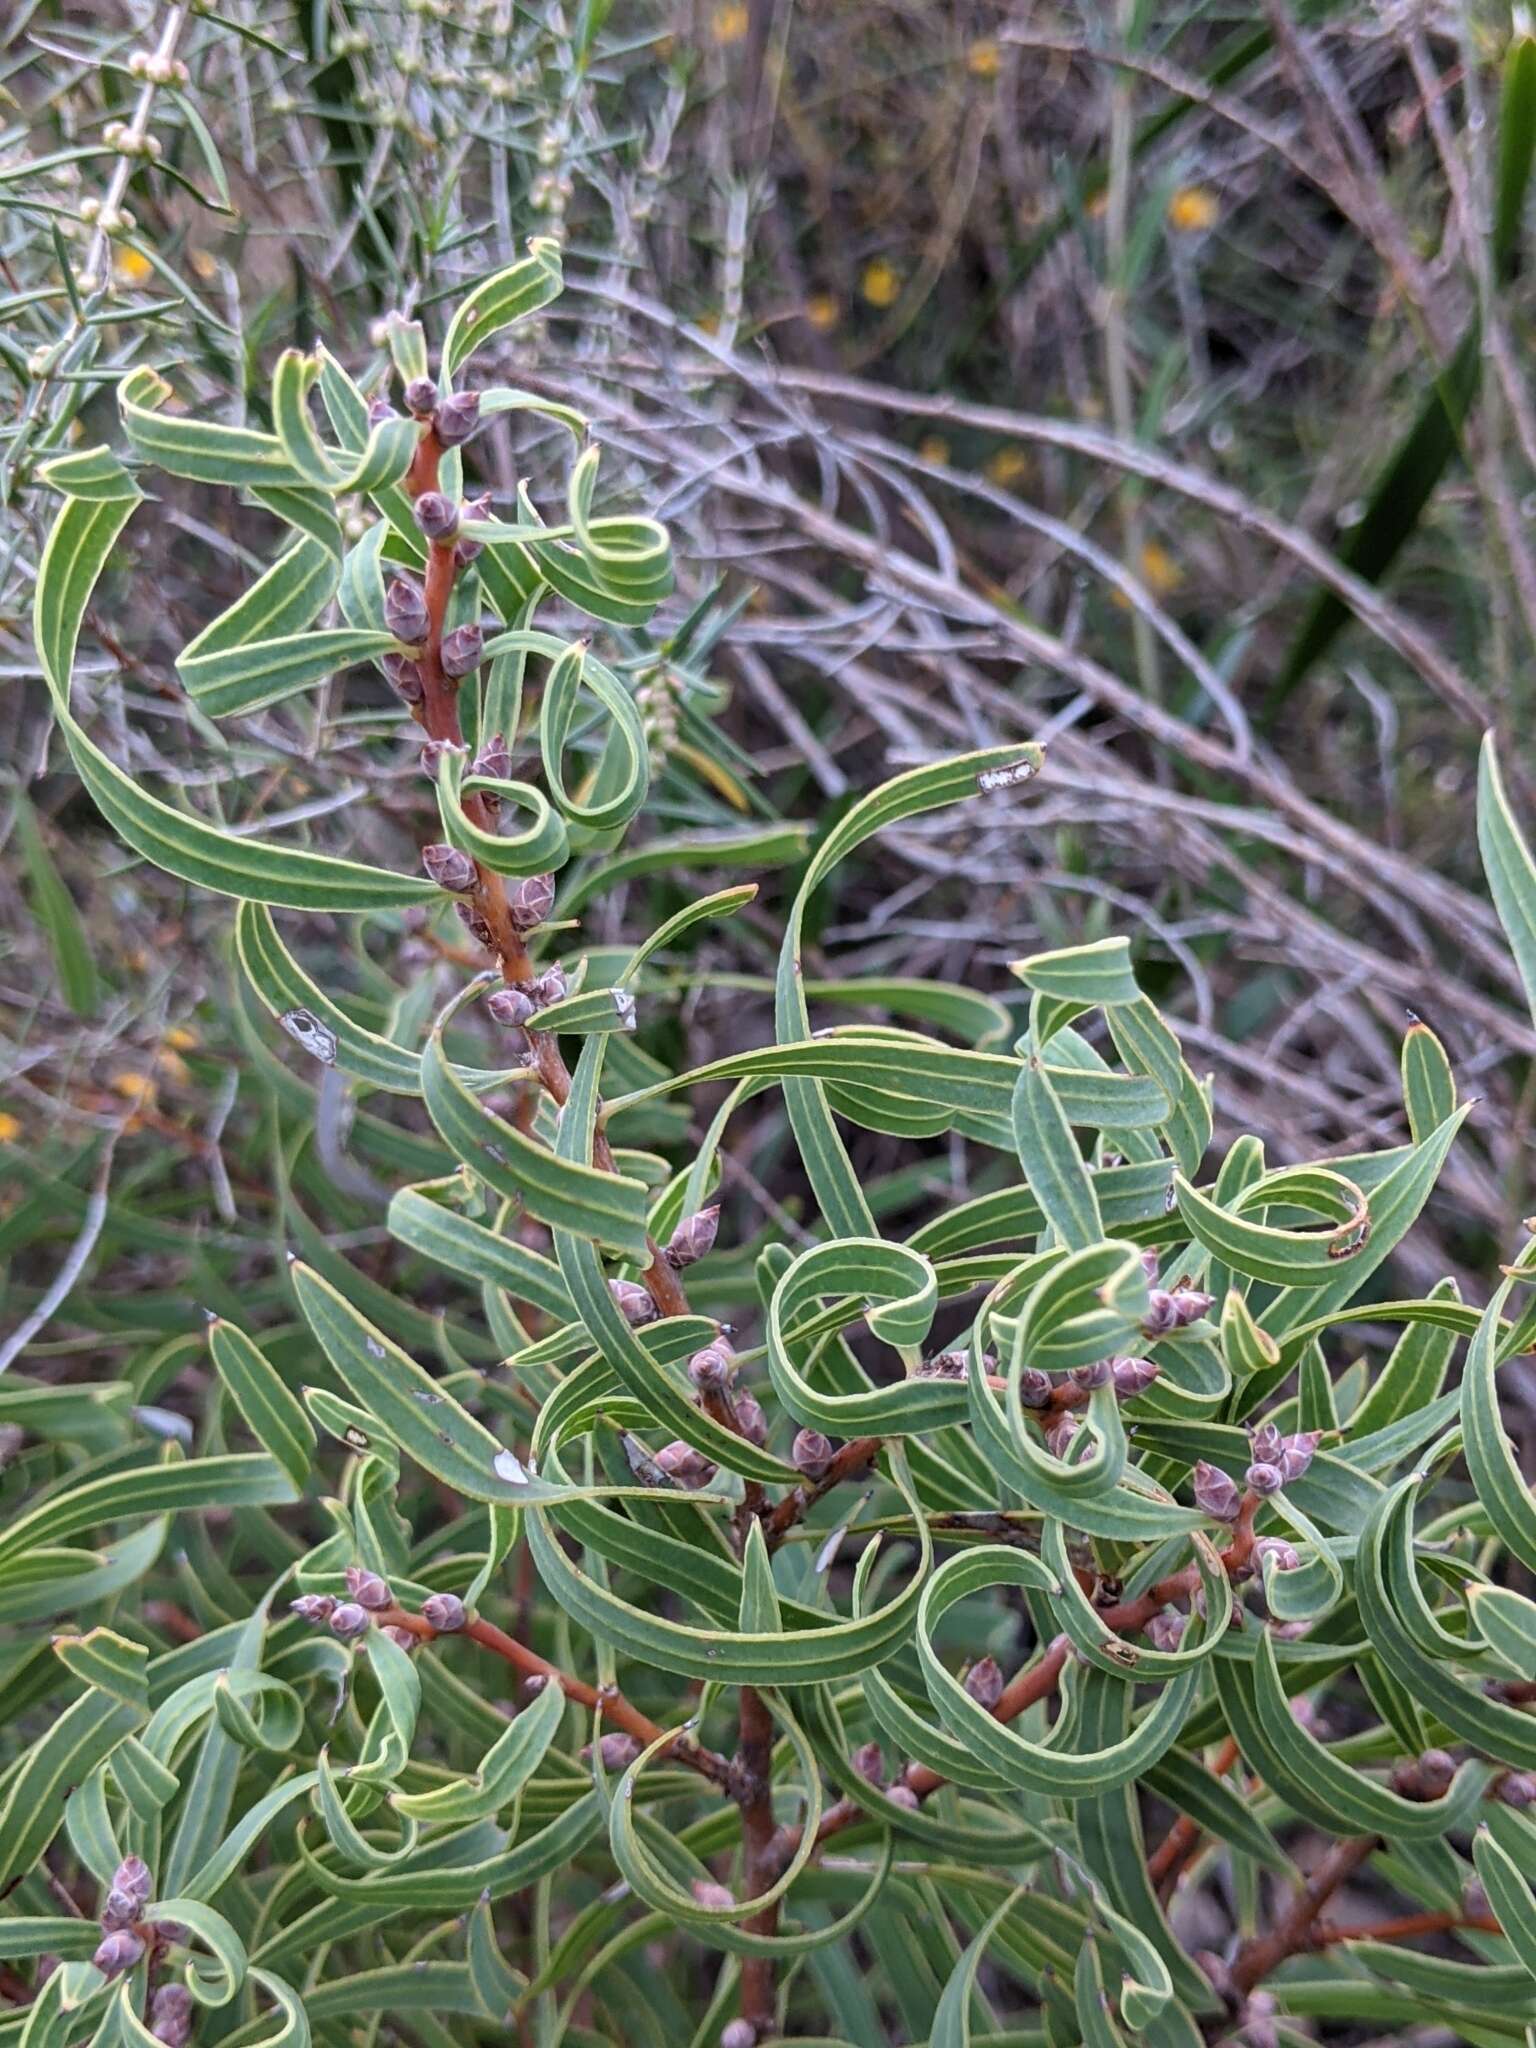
[
  {"x": 852, "y": 1460},
  {"x": 1168, "y": 1859},
  {"x": 610, "y": 1703},
  {"x": 761, "y": 1865},
  {"x": 1404, "y": 1928},
  {"x": 1263, "y": 1953}
]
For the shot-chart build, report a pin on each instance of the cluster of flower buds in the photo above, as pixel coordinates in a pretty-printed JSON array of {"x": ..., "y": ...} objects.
[
  {"x": 1279, "y": 1460},
  {"x": 1173, "y": 1308},
  {"x": 453, "y": 419},
  {"x": 943, "y": 1365},
  {"x": 1217, "y": 1494},
  {"x": 811, "y": 1454},
  {"x": 635, "y": 1302},
  {"x": 693, "y": 1237},
  {"x": 683, "y": 1464},
  {"x": 450, "y": 867},
  {"x": 367, "y": 1596},
  {"x": 1166, "y": 1631},
  {"x": 1425, "y": 1777},
  {"x": 125, "y": 1932},
  {"x": 711, "y": 1368}
]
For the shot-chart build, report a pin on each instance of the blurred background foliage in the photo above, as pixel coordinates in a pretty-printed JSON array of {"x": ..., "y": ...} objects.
[{"x": 1146, "y": 378}]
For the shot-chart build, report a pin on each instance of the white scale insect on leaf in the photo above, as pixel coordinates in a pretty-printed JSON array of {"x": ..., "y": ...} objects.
[{"x": 307, "y": 1030}]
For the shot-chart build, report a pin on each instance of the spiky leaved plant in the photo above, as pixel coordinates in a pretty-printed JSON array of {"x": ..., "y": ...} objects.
[{"x": 661, "y": 1685}]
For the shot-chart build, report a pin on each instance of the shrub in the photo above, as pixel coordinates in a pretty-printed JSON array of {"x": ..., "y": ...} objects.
[{"x": 618, "y": 1677}]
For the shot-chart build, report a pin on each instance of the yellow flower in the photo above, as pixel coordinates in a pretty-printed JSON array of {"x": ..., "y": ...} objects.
[
  {"x": 131, "y": 267},
  {"x": 730, "y": 21},
  {"x": 1192, "y": 210},
  {"x": 933, "y": 448},
  {"x": 984, "y": 59},
  {"x": 133, "y": 1087},
  {"x": 1008, "y": 465},
  {"x": 1159, "y": 571},
  {"x": 171, "y": 1065},
  {"x": 180, "y": 1039},
  {"x": 881, "y": 282},
  {"x": 10, "y": 1127},
  {"x": 821, "y": 311}
]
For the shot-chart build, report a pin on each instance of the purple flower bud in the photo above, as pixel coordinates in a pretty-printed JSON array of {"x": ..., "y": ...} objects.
[
  {"x": 405, "y": 612},
  {"x": 431, "y": 754},
  {"x": 170, "y": 2015},
  {"x": 368, "y": 1589},
  {"x": 436, "y": 515},
  {"x": 1298, "y": 1452},
  {"x": 1216, "y": 1494},
  {"x": 445, "y": 1612},
  {"x": 380, "y": 410},
  {"x": 421, "y": 395},
  {"x": 714, "y": 1366},
  {"x": 984, "y": 1682},
  {"x": 617, "y": 1750},
  {"x": 1034, "y": 1388},
  {"x": 943, "y": 1365},
  {"x": 462, "y": 651},
  {"x": 530, "y": 899},
  {"x": 714, "y": 1898},
  {"x": 1059, "y": 1436},
  {"x": 1166, "y": 1631},
  {"x": 904, "y": 1797},
  {"x": 118, "y": 1951},
  {"x": 457, "y": 418},
  {"x": 1264, "y": 1479},
  {"x": 869, "y": 1762},
  {"x": 473, "y": 923},
  {"x": 402, "y": 1638},
  {"x": 467, "y": 549},
  {"x": 811, "y": 1453},
  {"x": 349, "y": 1620},
  {"x": 1090, "y": 1377},
  {"x": 750, "y": 1420},
  {"x": 1436, "y": 1768},
  {"x": 449, "y": 867},
  {"x": 1171, "y": 1309},
  {"x": 1189, "y": 1305},
  {"x": 405, "y": 675},
  {"x": 1276, "y": 1551},
  {"x": 1474, "y": 1900},
  {"x": 120, "y": 1909},
  {"x": 634, "y": 1302},
  {"x": 1151, "y": 1259},
  {"x": 693, "y": 1237},
  {"x": 132, "y": 1877},
  {"x": 493, "y": 759},
  {"x": 1268, "y": 1445},
  {"x": 510, "y": 1006},
  {"x": 739, "y": 2034},
  {"x": 683, "y": 1463},
  {"x": 550, "y": 987},
  {"x": 313, "y": 1607},
  {"x": 1517, "y": 1788},
  {"x": 1133, "y": 1376}
]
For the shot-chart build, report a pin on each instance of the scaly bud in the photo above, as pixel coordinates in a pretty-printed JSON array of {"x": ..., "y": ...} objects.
[
  {"x": 473, "y": 923},
  {"x": 1437, "y": 1767},
  {"x": 436, "y": 515},
  {"x": 1297, "y": 1453},
  {"x": 549, "y": 988},
  {"x": 402, "y": 1638},
  {"x": 904, "y": 1797},
  {"x": 1264, "y": 1479},
  {"x": 1150, "y": 1261},
  {"x": 510, "y": 1006},
  {"x": 869, "y": 1762},
  {"x": 380, "y": 410},
  {"x": 1216, "y": 1494},
  {"x": 683, "y": 1463},
  {"x": 739, "y": 2034},
  {"x": 811, "y": 1453},
  {"x": 367, "y": 1588},
  {"x": 445, "y": 1612},
  {"x": 1166, "y": 1631},
  {"x": 170, "y": 2015},
  {"x": 120, "y": 1909},
  {"x": 1034, "y": 1388},
  {"x": 693, "y": 1237},
  {"x": 405, "y": 676},
  {"x": 943, "y": 1365},
  {"x": 1058, "y": 1437},
  {"x": 750, "y": 1419},
  {"x": 714, "y": 1898},
  {"x": 713, "y": 1367},
  {"x": 1267, "y": 1443},
  {"x": 133, "y": 1879},
  {"x": 1133, "y": 1376},
  {"x": 118, "y": 1951},
  {"x": 316, "y": 1608},
  {"x": 405, "y": 612},
  {"x": 1517, "y": 1788},
  {"x": 634, "y": 1302},
  {"x": 421, "y": 396},
  {"x": 984, "y": 1682},
  {"x": 493, "y": 759},
  {"x": 462, "y": 651},
  {"x": 449, "y": 867},
  {"x": 1276, "y": 1551},
  {"x": 457, "y": 418},
  {"x": 530, "y": 899},
  {"x": 349, "y": 1620},
  {"x": 617, "y": 1750},
  {"x": 1171, "y": 1309},
  {"x": 1092, "y": 1376},
  {"x": 467, "y": 549}
]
